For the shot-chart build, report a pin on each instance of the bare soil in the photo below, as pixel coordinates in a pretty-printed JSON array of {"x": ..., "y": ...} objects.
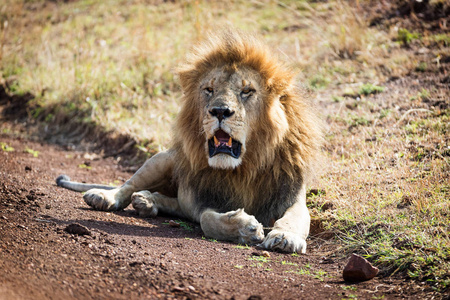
[{"x": 125, "y": 256}]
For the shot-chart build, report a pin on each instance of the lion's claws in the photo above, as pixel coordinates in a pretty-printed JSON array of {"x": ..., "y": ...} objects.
[
  {"x": 100, "y": 199},
  {"x": 252, "y": 233},
  {"x": 143, "y": 203},
  {"x": 284, "y": 241}
]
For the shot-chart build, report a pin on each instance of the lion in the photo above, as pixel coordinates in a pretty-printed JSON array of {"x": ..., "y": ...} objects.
[{"x": 244, "y": 148}]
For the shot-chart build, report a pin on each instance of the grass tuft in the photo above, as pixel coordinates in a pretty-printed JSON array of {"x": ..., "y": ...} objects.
[{"x": 368, "y": 89}]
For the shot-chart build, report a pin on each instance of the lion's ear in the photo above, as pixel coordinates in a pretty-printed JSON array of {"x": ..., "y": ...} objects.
[{"x": 188, "y": 79}]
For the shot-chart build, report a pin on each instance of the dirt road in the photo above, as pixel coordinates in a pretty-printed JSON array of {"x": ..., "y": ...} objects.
[{"x": 125, "y": 256}]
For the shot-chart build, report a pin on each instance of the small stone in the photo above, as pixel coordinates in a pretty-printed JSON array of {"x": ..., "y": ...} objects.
[
  {"x": 359, "y": 269},
  {"x": 265, "y": 254},
  {"x": 75, "y": 228},
  {"x": 172, "y": 223}
]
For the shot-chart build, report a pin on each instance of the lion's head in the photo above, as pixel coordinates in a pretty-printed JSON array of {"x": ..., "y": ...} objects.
[
  {"x": 232, "y": 104},
  {"x": 242, "y": 111}
]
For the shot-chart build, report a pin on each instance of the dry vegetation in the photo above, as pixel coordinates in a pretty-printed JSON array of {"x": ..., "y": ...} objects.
[{"x": 383, "y": 91}]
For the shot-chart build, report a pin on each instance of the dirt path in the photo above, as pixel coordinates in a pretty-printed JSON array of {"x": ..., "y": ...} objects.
[{"x": 129, "y": 257}]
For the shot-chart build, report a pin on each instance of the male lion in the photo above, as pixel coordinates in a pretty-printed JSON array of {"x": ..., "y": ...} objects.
[{"x": 243, "y": 150}]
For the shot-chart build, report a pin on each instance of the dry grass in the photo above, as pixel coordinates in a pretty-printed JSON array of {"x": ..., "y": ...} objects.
[
  {"x": 388, "y": 154},
  {"x": 389, "y": 184}
]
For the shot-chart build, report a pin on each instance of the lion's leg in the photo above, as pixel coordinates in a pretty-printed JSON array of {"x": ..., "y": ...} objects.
[
  {"x": 154, "y": 174},
  {"x": 289, "y": 233},
  {"x": 235, "y": 226},
  {"x": 149, "y": 204}
]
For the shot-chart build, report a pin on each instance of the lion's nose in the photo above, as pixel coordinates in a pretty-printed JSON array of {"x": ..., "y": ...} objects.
[{"x": 221, "y": 113}]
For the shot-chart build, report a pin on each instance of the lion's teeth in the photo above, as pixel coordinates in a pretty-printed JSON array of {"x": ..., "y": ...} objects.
[
  {"x": 216, "y": 142},
  {"x": 229, "y": 142}
]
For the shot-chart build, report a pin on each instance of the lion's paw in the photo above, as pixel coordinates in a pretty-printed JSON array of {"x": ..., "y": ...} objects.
[
  {"x": 101, "y": 199},
  {"x": 143, "y": 203},
  {"x": 250, "y": 230},
  {"x": 284, "y": 241}
]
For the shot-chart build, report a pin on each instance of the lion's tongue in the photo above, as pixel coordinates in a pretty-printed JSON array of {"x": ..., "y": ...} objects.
[
  {"x": 222, "y": 138},
  {"x": 222, "y": 143}
]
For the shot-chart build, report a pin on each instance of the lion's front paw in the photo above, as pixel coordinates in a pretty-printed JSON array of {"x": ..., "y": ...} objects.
[
  {"x": 284, "y": 241},
  {"x": 143, "y": 203},
  {"x": 250, "y": 230},
  {"x": 101, "y": 199}
]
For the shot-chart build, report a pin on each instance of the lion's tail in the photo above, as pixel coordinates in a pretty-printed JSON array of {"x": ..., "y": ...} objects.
[{"x": 64, "y": 181}]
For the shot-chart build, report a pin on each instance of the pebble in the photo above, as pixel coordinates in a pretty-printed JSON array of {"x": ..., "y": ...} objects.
[
  {"x": 75, "y": 228},
  {"x": 174, "y": 224},
  {"x": 359, "y": 269},
  {"x": 265, "y": 254}
]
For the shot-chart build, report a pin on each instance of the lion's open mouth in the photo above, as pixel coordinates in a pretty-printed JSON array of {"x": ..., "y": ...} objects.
[{"x": 222, "y": 142}]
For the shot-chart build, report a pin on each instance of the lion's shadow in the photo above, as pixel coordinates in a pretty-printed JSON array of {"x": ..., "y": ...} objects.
[{"x": 157, "y": 226}]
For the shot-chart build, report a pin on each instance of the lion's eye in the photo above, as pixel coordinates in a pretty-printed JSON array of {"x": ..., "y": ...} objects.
[
  {"x": 246, "y": 92},
  {"x": 209, "y": 91}
]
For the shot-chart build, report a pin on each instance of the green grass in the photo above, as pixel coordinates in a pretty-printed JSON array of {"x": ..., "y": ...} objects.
[
  {"x": 392, "y": 205},
  {"x": 443, "y": 39},
  {"x": 5, "y": 147},
  {"x": 182, "y": 224},
  {"x": 368, "y": 89},
  {"x": 283, "y": 262},
  {"x": 406, "y": 37},
  {"x": 305, "y": 270},
  {"x": 245, "y": 247},
  {"x": 35, "y": 153},
  {"x": 262, "y": 259},
  {"x": 84, "y": 166}
]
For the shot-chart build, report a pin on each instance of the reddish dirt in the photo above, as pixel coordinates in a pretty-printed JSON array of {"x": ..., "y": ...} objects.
[{"x": 129, "y": 257}]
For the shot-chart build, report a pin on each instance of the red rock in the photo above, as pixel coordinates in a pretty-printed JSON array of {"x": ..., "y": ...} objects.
[
  {"x": 78, "y": 229},
  {"x": 173, "y": 223},
  {"x": 359, "y": 269}
]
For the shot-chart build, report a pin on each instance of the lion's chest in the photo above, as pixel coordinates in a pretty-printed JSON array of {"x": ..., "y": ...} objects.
[{"x": 257, "y": 198}]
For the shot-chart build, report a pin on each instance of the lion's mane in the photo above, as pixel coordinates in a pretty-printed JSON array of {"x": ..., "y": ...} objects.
[{"x": 279, "y": 156}]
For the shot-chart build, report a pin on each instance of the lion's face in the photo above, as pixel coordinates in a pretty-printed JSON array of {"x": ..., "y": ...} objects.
[{"x": 232, "y": 102}]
